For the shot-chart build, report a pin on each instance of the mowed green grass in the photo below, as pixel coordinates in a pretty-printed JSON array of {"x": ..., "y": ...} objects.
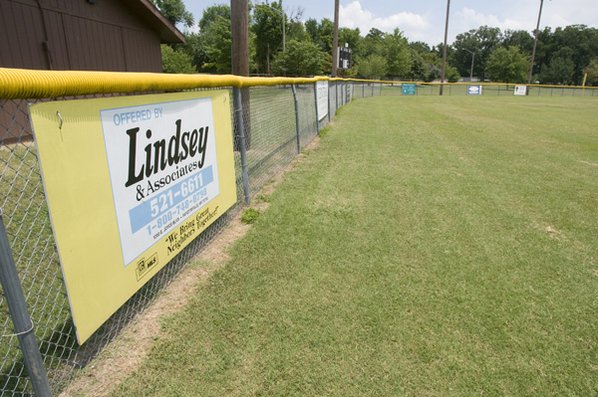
[{"x": 429, "y": 247}]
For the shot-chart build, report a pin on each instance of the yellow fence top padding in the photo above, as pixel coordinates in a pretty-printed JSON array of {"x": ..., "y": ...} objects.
[{"x": 26, "y": 83}]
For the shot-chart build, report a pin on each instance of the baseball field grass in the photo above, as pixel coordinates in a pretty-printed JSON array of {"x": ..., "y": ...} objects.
[{"x": 428, "y": 247}]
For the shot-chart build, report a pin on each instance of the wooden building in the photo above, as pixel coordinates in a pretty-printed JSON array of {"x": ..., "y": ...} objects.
[
  {"x": 108, "y": 35},
  {"x": 111, "y": 35}
]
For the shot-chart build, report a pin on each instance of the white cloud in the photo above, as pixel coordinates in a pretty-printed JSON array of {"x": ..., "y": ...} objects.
[
  {"x": 467, "y": 18},
  {"x": 354, "y": 16}
]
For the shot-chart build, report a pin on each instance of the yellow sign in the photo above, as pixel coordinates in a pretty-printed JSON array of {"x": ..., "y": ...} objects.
[{"x": 130, "y": 181}]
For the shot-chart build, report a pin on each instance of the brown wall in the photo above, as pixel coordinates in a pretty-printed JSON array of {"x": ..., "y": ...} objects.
[
  {"x": 70, "y": 34},
  {"x": 74, "y": 34}
]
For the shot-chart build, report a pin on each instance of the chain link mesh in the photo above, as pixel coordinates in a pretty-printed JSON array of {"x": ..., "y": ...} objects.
[
  {"x": 271, "y": 141},
  {"x": 487, "y": 90}
]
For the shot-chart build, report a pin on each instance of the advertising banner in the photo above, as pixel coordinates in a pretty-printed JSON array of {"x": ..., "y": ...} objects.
[
  {"x": 520, "y": 90},
  {"x": 408, "y": 89},
  {"x": 130, "y": 181},
  {"x": 322, "y": 95},
  {"x": 474, "y": 90}
]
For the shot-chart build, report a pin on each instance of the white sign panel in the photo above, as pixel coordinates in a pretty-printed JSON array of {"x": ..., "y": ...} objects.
[
  {"x": 170, "y": 170},
  {"x": 520, "y": 90},
  {"x": 474, "y": 90},
  {"x": 322, "y": 95}
]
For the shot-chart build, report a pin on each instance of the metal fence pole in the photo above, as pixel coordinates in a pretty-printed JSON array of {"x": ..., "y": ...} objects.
[
  {"x": 329, "y": 102},
  {"x": 294, "y": 89},
  {"x": 316, "y": 103},
  {"x": 238, "y": 108},
  {"x": 362, "y": 89},
  {"x": 373, "y": 84},
  {"x": 335, "y": 96},
  {"x": 20, "y": 317}
]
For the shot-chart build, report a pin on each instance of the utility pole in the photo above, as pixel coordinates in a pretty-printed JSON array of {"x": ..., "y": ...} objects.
[
  {"x": 335, "y": 40},
  {"x": 240, "y": 30},
  {"x": 239, "y": 14},
  {"x": 536, "y": 33},
  {"x": 284, "y": 29},
  {"x": 472, "y": 62},
  {"x": 444, "y": 50}
]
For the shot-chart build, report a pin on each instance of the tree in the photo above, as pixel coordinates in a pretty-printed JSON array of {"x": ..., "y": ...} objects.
[
  {"x": 452, "y": 74},
  {"x": 519, "y": 38},
  {"x": 267, "y": 27},
  {"x": 592, "y": 72},
  {"x": 174, "y": 61},
  {"x": 558, "y": 71},
  {"x": 508, "y": 65},
  {"x": 373, "y": 67},
  {"x": 398, "y": 56},
  {"x": 217, "y": 43},
  {"x": 482, "y": 41},
  {"x": 373, "y": 43},
  {"x": 174, "y": 11},
  {"x": 301, "y": 58}
]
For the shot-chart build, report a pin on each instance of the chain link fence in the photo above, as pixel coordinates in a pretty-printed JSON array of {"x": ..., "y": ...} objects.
[
  {"x": 488, "y": 89},
  {"x": 278, "y": 122}
]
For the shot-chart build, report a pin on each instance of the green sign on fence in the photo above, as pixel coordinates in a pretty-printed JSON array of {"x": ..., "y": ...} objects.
[{"x": 408, "y": 89}]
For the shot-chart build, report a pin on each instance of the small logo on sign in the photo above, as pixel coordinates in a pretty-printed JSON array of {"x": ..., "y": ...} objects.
[{"x": 145, "y": 265}]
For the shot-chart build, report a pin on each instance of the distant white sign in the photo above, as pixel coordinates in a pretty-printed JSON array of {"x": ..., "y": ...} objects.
[
  {"x": 322, "y": 95},
  {"x": 474, "y": 90},
  {"x": 520, "y": 90}
]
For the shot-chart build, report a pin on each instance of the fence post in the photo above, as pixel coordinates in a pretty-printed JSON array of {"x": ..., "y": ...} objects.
[
  {"x": 373, "y": 85},
  {"x": 329, "y": 84},
  {"x": 238, "y": 108},
  {"x": 20, "y": 317},
  {"x": 316, "y": 102},
  {"x": 362, "y": 89},
  {"x": 335, "y": 96},
  {"x": 294, "y": 89}
]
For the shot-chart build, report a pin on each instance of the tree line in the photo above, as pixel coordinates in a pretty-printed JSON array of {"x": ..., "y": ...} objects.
[{"x": 282, "y": 44}]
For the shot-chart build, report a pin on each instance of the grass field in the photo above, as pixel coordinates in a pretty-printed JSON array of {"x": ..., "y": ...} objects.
[{"x": 429, "y": 246}]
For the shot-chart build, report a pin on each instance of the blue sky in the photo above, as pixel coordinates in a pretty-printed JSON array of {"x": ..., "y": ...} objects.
[{"x": 424, "y": 19}]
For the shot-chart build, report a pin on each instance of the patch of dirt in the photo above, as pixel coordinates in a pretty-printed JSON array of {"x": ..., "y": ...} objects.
[
  {"x": 589, "y": 163},
  {"x": 552, "y": 232},
  {"x": 123, "y": 356}
]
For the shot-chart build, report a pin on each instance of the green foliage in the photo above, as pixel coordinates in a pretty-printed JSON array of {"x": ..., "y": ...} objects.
[
  {"x": 373, "y": 67},
  {"x": 176, "y": 61},
  {"x": 212, "y": 13},
  {"x": 592, "y": 71},
  {"x": 425, "y": 63},
  {"x": 561, "y": 57},
  {"x": 267, "y": 27},
  {"x": 519, "y": 38},
  {"x": 217, "y": 43},
  {"x": 507, "y": 65},
  {"x": 174, "y": 11},
  {"x": 396, "y": 49},
  {"x": 558, "y": 71},
  {"x": 482, "y": 41},
  {"x": 452, "y": 74},
  {"x": 250, "y": 215},
  {"x": 301, "y": 58},
  {"x": 576, "y": 45}
]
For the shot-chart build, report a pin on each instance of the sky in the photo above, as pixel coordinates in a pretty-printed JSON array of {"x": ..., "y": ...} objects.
[{"x": 423, "y": 20}]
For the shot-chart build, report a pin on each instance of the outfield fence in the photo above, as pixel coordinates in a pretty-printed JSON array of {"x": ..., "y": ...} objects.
[
  {"x": 487, "y": 89},
  {"x": 273, "y": 120}
]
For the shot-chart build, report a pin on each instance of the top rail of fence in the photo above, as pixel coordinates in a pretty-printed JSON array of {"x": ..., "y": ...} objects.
[{"x": 27, "y": 83}]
